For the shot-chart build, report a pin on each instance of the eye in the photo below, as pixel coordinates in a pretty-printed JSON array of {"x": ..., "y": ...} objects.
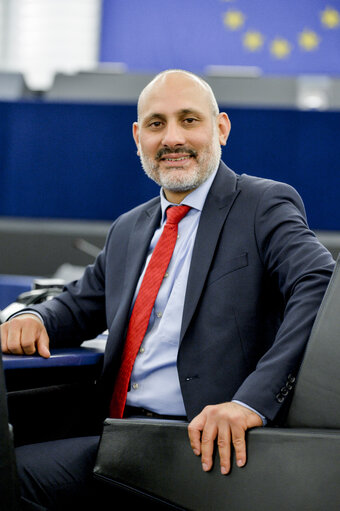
[
  {"x": 189, "y": 120},
  {"x": 155, "y": 124}
]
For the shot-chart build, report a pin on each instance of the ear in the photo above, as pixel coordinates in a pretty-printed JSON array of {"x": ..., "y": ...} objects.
[
  {"x": 223, "y": 127},
  {"x": 135, "y": 133}
]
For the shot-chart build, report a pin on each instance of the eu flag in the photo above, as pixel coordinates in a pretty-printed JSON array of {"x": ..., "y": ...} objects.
[{"x": 286, "y": 37}]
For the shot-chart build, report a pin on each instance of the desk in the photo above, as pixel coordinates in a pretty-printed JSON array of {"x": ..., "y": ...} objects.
[
  {"x": 65, "y": 366},
  {"x": 55, "y": 397},
  {"x": 72, "y": 357}
]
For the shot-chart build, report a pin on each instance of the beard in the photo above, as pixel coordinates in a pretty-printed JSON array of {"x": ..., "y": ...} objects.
[{"x": 177, "y": 179}]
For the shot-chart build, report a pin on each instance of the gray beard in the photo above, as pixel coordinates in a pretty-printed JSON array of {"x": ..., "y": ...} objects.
[{"x": 186, "y": 183}]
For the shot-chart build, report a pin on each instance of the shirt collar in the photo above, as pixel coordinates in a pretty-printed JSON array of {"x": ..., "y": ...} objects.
[{"x": 194, "y": 199}]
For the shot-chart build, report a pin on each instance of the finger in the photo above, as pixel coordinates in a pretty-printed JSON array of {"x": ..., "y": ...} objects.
[
  {"x": 3, "y": 335},
  {"x": 239, "y": 443},
  {"x": 14, "y": 338},
  {"x": 43, "y": 344},
  {"x": 208, "y": 438},
  {"x": 29, "y": 335},
  {"x": 34, "y": 337},
  {"x": 224, "y": 447},
  {"x": 194, "y": 431}
]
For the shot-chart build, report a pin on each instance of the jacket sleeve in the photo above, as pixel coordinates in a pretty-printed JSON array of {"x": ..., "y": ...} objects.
[{"x": 301, "y": 268}]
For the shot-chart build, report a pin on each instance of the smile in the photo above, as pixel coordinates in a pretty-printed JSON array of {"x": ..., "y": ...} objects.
[{"x": 177, "y": 159}]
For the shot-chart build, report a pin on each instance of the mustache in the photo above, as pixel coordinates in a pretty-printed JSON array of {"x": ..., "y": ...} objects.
[{"x": 180, "y": 150}]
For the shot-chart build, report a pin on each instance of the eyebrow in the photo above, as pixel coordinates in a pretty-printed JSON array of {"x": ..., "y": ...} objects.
[
  {"x": 186, "y": 111},
  {"x": 180, "y": 113},
  {"x": 154, "y": 115}
]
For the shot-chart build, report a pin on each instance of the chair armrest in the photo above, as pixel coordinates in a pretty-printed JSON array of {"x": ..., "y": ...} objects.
[{"x": 286, "y": 469}]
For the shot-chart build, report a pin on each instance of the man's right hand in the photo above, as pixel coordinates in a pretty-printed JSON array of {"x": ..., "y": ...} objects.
[{"x": 24, "y": 335}]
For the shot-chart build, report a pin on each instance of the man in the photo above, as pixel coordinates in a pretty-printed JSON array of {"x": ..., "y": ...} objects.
[{"x": 234, "y": 311}]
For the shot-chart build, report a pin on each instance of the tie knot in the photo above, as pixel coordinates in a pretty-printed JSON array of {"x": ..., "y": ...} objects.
[{"x": 174, "y": 214}]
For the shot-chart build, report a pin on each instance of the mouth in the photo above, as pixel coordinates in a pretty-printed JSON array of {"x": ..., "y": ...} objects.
[
  {"x": 173, "y": 156},
  {"x": 180, "y": 158}
]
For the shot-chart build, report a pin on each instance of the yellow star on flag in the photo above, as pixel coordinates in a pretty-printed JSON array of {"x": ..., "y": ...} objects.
[
  {"x": 330, "y": 17},
  {"x": 280, "y": 48},
  {"x": 253, "y": 40},
  {"x": 309, "y": 40},
  {"x": 233, "y": 19}
]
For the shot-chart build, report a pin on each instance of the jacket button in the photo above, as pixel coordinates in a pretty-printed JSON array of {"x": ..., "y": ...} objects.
[
  {"x": 291, "y": 378},
  {"x": 284, "y": 391},
  {"x": 279, "y": 398}
]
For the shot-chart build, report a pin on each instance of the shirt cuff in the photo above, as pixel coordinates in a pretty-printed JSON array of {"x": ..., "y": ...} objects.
[
  {"x": 264, "y": 420},
  {"x": 27, "y": 311}
]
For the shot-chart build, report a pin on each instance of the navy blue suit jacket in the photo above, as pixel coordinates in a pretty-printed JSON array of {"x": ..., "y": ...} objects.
[{"x": 257, "y": 277}]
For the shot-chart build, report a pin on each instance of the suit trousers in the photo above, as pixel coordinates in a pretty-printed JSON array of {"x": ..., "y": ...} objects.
[{"x": 57, "y": 476}]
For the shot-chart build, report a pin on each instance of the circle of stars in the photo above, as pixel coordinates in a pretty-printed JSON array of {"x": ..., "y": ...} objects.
[{"x": 280, "y": 48}]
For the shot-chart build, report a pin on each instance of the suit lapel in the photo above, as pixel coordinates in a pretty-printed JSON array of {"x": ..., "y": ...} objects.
[
  {"x": 216, "y": 208},
  {"x": 140, "y": 239}
]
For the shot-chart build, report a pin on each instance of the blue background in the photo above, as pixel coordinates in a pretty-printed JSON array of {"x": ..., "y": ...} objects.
[{"x": 79, "y": 160}]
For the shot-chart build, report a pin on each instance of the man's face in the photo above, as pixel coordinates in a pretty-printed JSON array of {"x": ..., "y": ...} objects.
[{"x": 177, "y": 136}]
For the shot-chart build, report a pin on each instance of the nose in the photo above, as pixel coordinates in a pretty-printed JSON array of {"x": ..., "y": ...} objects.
[{"x": 173, "y": 135}]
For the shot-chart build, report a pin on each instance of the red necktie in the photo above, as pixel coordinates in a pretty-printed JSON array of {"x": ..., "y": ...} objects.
[{"x": 144, "y": 303}]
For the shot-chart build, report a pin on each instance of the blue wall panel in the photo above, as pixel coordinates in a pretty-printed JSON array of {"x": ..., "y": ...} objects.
[
  {"x": 79, "y": 161},
  {"x": 69, "y": 161}
]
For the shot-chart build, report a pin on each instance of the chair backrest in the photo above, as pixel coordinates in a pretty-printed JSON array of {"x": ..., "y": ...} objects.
[
  {"x": 316, "y": 399},
  {"x": 9, "y": 488}
]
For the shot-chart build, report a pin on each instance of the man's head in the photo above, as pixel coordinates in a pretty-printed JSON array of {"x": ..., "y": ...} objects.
[{"x": 179, "y": 132}]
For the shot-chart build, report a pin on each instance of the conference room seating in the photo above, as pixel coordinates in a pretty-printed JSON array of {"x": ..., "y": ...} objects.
[
  {"x": 13, "y": 86},
  {"x": 293, "y": 467},
  {"x": 52, "y": 244}
]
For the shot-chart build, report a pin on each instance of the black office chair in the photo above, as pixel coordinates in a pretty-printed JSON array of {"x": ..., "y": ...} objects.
[
  {"x": 316, "y": 401},
  {"x": 9, "y": 488},
  {"x": 296, "y": 467}
]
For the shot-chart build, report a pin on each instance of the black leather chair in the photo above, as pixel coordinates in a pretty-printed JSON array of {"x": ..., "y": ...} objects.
[
  {"x": 9, "y": 491},
  {"x": 316, "y": 402},
  {"x": 296, "y": 467}
]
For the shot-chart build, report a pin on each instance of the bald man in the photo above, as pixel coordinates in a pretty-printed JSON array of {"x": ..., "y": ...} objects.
[{"x": 231, "y": 318}]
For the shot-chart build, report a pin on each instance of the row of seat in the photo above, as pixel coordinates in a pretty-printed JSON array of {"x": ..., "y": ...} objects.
[{"x": 246, "y": 86}]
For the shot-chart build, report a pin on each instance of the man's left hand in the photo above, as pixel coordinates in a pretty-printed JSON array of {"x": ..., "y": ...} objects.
[{"x": 226, "y": 423}]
